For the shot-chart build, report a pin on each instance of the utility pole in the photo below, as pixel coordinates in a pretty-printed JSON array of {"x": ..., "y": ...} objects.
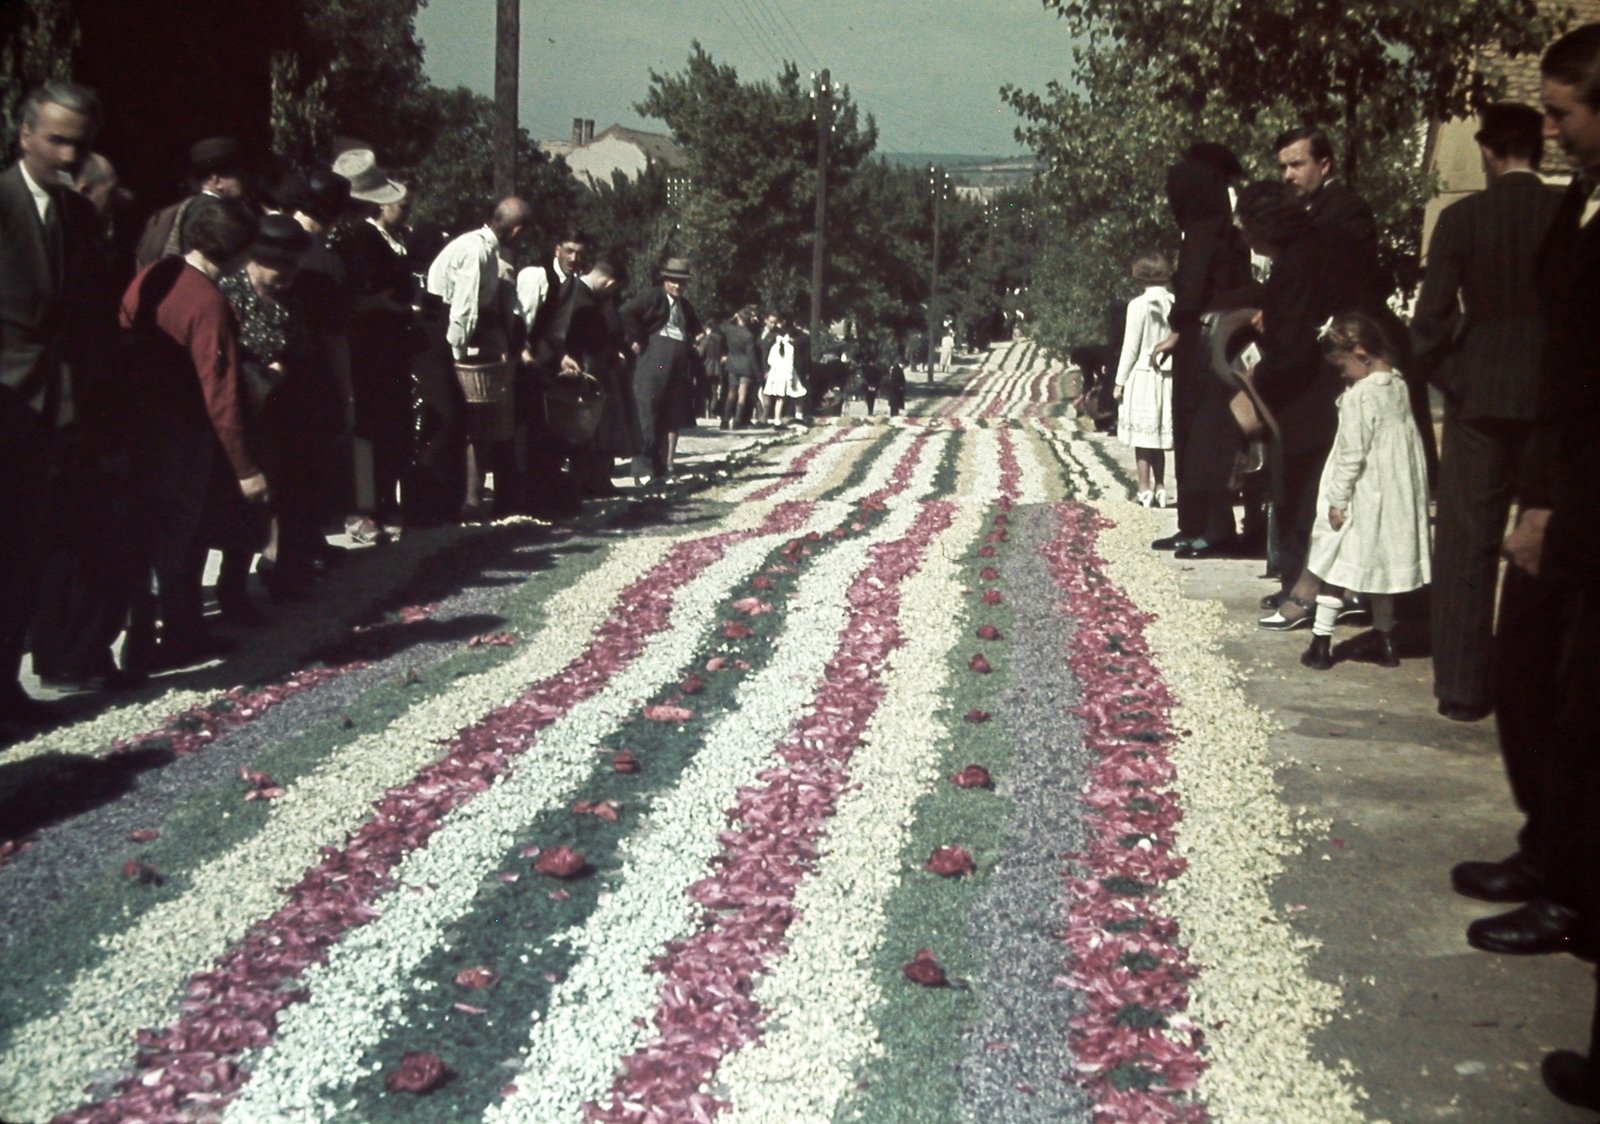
[
  {"x": 507, "y": 33},
  {"x": 936, "y": 181},
  {"x": 824, "y": 95}
]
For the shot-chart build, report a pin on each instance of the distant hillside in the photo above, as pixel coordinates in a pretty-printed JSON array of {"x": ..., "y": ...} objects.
[{"x": 991, "y": 172}]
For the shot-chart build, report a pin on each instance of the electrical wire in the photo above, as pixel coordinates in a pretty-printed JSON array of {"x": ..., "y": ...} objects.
[{"x": 805, "y": 47}]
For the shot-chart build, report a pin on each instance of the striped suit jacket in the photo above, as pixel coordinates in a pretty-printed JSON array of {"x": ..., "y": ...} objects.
[{"x": 1483, "y": 349}]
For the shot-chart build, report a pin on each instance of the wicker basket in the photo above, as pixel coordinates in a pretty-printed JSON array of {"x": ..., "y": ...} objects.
[
  {"x": 572, "y": 409},
  {"x": 491, "y": 403}
]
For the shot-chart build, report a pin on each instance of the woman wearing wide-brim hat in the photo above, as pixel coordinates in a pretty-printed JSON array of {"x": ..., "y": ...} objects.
[
  {"x": 661, "y": 328},
  {"x": 382, "y": 343}
]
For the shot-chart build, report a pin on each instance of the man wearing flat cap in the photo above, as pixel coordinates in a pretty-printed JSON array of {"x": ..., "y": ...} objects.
[
  {"x": 216, "y": 168},
  {"x": 661, "y": 326}
]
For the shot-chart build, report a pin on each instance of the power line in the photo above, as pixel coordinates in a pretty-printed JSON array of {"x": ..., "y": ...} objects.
[
  {"x": 773, "y": 51},
  {"x": 779, "y": 34},
  {"x": 806, "y": 47},
  {"x": 739, "y": 26}
]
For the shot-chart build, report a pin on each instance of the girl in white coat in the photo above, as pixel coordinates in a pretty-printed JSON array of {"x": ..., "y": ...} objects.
[
  {"x": 1371, "y": 533},
  {"x": 1144, "y": 391}
]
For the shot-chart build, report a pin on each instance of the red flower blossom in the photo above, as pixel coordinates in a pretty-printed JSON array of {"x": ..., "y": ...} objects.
[
  {"x": 976, "y": 715},
  {"x": 980, "y": 665},
  {"x": 693, "y": 685},
  {"x": 143, "y": 836},
  {"x": 736, "y": 630},
  {"x": 989, "y": 632},
  {"x": 924, "y": 969},
  {"x": 761, "y": 583},
  {"x": 989, "y": 573},
  {"x": 752, "y": 606},
  {"x": 950, "y": 862},
  {"x": 973, "y": 776},
  {"x": 992, "y": 597},
  {"x": 418, "y": 1073},
  {"x": 986, "y": 552},
  {"x": 561, "y": 862},
  {"x": 605, "y": 809},
  {"x": 135, "y": 871},
  {"x": 668, "y": 713},
  {"x": 477, "y": 977}
]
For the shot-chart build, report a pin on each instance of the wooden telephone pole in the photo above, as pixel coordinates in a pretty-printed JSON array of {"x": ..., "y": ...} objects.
[
  {"x": 936, "y": 178},
  {"x": 824, "y": 96},
  {"x": 507, "y": 34}
]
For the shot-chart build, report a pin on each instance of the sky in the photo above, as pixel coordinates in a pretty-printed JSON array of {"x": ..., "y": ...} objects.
[{"x": 929, "y": 71}]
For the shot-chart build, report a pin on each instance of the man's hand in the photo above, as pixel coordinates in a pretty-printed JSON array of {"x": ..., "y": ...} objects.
[
  {"x": 1116, "y": 394},
  {"x": 636, "y": 349},
  {"x": 570, "y": 366},
  {"x": 255, "y": 489},
  {"x": 1525, "y": 544},
  {"x": 1336, "y": 518},
  {"x": 527, "y": 356},
  {"x": 1165, "y": 347}
]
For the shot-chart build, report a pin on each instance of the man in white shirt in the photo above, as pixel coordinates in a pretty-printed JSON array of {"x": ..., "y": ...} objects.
[
  {"x": 466, "y": 275},
  {"x": 542, "y": 289}
]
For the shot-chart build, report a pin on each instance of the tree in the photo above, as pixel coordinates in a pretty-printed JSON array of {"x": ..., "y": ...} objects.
[
  {"x": 631, "y": 217},
  {"x": 37, "y": 39},
  {"x": 752, "y": 145}
]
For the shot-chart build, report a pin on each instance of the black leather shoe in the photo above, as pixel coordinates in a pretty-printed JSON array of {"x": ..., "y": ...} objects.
[
  {"x": 1572, "y": 1078},
  {"x": 1270, "y": 603},
  {"x": 187, "y": 651},
  {"x": 1371, "y": 646},
  {"x": 18, "y": 708},
  {"x": 1204, "y": 548},
  {"x": 1318, "y": 657},
  {"x": 1463, "y": 712},
  {"x": 1537, "y": 929},
  {"x": 1172, "y": 542},
  {"x": 1509, "y": 880},
  {"x": 113, "y": 680}
]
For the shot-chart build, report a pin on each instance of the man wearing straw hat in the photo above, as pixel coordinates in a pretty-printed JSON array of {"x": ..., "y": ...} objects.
[
  {"x": 381, "y": 342},
  {"x": 661, "y": 326}
]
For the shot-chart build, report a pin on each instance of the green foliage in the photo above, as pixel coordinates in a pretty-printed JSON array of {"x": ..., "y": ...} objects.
[
  {"x": 37, "y": 39},
  {"x": 632, "y": 217},
  {"x": 1157, "y": 75},
  {"x": 454, "y": 180}
]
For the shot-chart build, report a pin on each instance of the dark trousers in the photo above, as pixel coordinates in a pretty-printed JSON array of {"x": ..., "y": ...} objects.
[
  {"x": 29, "y": 479},
  {"x": 1205, "y": 442},
  {"x": 1477, "y": 481},
  {"x": 88, "y": 581},
  {"x": 1295, "y": 479}
]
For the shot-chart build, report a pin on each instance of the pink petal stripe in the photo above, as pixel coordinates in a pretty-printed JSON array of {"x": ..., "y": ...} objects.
[
  {"x": 1124, "y": 950},
  {"x": 797, "y": 467},
  {"x": 192, "y": 1066},
  {"x": 705, "y": 1010},
  {"x": 233, "y": 1007}
]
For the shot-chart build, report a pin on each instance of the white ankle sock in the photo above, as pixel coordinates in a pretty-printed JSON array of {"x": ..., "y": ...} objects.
[{"x": 1327, "y": 615}]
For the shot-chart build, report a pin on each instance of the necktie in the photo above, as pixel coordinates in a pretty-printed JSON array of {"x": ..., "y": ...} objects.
[{"x": 52, "y": 240}]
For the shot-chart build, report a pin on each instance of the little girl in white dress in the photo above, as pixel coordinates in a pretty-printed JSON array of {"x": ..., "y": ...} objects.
[
  {"x": 1371, "y": 534},
  {"x": 1144, "y": 391}
]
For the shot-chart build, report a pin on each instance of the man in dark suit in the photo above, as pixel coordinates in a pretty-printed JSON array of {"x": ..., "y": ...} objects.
[
  {"x": 1555, "y": 547},
  {"x": 49, "y": 251},
  {"x": 1478, "y": 335},
  {"x": 661, "y": 327},
  {"x": 585, "y": 337},
  {"x": 1305, "y": 157},
  {"x": 216, "y": 168}
]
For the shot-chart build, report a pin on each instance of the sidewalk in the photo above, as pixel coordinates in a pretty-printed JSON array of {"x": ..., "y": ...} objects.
[{"x": 1433, "y": 1029}]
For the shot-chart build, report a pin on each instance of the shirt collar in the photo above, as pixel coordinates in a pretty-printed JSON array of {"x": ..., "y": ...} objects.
[{"x": 35, "y": 188}]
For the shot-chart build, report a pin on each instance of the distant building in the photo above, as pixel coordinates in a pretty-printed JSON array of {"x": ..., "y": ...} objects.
[
  {"x": 1453, "y": 154},
  {"x": 596, "y": 158}
]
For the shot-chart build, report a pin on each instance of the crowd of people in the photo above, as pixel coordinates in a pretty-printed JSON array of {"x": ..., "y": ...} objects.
[
  {"x": 279, "y": 355},
  {"x": 1273, "y": 370}
]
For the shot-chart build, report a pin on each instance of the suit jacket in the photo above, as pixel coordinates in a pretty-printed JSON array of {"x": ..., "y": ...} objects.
[
  {"x": 1557, "y": 469},
  {"x": 47, "y": 316},
  {"x": 1294, "y": 378},
  {"x": 646, "y": 314},
  {"x": 1487, "y": 358},
  {"x": 162, "y": 235},
  {"x": 588, "y": 329}
]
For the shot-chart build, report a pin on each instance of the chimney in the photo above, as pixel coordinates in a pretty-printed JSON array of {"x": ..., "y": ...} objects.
[
  {"x": 588, "y": 131},
  {"x": 577, "y": 130}
]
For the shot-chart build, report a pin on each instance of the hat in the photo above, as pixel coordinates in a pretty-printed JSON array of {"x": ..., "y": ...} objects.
[
  {"x": 319, "y": 193},
  {"x": 215, "y": 156},
  {"x": 676, "y": 269},
  {"x": 367, "y": 181},
  {"x": 280, "y": 242}
]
